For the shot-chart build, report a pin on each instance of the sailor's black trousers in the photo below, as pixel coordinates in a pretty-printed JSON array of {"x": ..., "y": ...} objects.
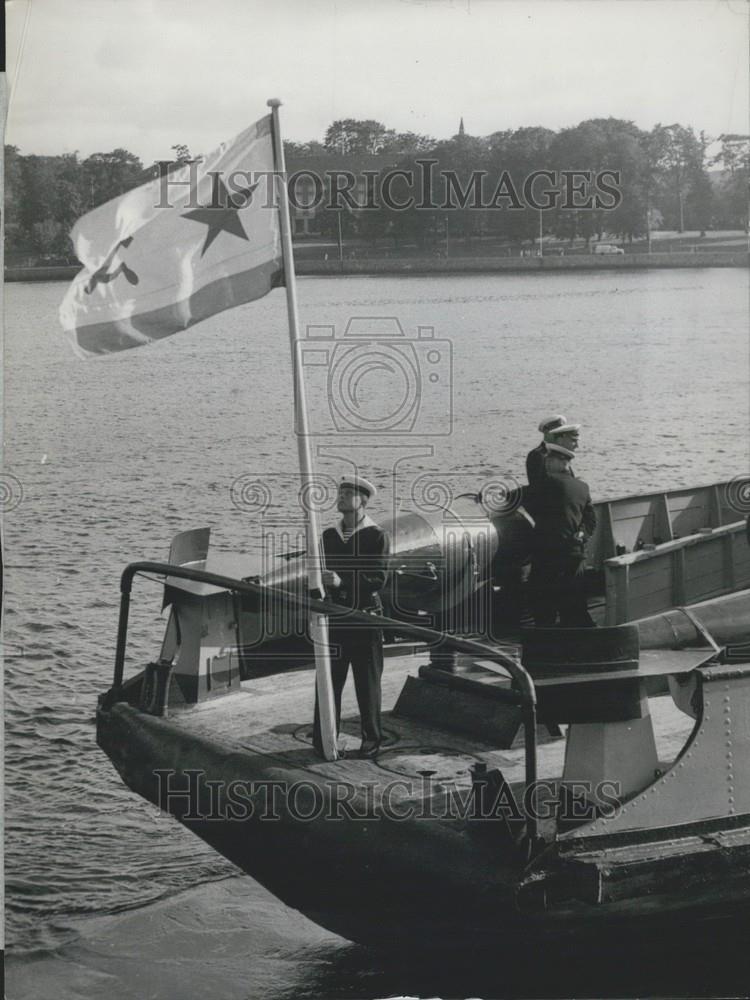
[
  {"x": 557, "y": 588},
  {"x": 363, "y": 649}
]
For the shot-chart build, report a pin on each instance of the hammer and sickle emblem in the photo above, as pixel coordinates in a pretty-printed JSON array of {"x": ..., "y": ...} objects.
[{"x": 103, "y": 276}]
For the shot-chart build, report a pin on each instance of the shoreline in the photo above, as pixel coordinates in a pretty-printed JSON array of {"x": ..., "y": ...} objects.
[{"x": 462, "y": 265}]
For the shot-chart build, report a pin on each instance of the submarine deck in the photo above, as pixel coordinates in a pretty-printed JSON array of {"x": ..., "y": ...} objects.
[{"x": 272, "y": 716}]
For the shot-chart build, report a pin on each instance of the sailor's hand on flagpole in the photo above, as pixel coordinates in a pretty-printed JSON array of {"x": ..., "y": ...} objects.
[{"x": 331, "y": 579}]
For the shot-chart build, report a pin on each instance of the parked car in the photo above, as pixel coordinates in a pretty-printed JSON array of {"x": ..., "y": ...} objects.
[{"x": 607, "y": 248}]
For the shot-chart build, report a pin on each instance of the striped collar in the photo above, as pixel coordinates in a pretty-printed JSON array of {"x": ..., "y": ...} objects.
[{"x": 366, "y": 522}]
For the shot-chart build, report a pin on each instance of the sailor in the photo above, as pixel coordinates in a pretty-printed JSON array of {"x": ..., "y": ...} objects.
[
  {"x": 535, "y": 458},
  {"x": 564, "y": 436},
  {"x": 509, "y": 611},
  {"x": 565, "y": 519},
  {"x": 356, "y": 559}
]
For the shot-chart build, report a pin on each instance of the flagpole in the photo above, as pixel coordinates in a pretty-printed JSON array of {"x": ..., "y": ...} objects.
[{"x": 318, "y": 623}]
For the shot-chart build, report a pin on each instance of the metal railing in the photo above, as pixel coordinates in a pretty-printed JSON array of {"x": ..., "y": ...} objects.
[{"x": 524, "y": 691}]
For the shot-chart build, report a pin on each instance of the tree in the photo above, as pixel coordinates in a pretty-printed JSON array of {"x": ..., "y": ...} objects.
[
  {"x": 411, "y": 224},
  {"x": 461, "y": 162},
  {"x": 16, "y": 235},
  {"x": 512, "y": 155},
  {"x": 13, "y": 194},
  {"x": 407, "y": 142},
  {"x": 182, "y": 154},
  {"x": 594, "y": 146},
  {"x": 108, "y": 175},
  {"x": 699, "y": 196},
  {"x": 730, "y": 192},
  {"x": 680, "y": 161},
  {"x": 734, "y": 154},
  {"x": 37, "y": 202},
  {"x": 68, "y": 203},
  {"x": 352, "y": 136},
  {"x": 302, "y": 150}
]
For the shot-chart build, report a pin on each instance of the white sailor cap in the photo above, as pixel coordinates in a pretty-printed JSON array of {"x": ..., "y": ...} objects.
[
  {"x": 550, "y": 423},
  {"x": 360, "y": 484},
  {"x": 565, "y": 429}
]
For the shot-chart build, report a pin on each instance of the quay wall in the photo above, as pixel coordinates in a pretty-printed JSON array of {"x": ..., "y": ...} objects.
[
  {"x": 579, "y": 262},
  {"x": 459, "y": 265}
]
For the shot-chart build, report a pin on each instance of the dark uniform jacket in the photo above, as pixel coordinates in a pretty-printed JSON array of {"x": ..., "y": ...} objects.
[
  {"x": 562, "y": 509},
  {"x": 535, "y": 473},
  {"x": 362, "y": 564},
  {"x": 535, "y": 464}
]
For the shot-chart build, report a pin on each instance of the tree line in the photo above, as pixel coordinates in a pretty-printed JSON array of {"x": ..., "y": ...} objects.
[{"x": 667, "y": 180}]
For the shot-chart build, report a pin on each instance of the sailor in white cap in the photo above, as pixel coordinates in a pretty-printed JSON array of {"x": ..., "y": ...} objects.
[
  {"x": 535, "y": 458},
  {"x": 356, "y": 559},
  {"x": 354, "y": 487},
  {"x": 564, "y": 438},
  {"x": 565, "y": 520},
  {"x": 551, "y": 423}
]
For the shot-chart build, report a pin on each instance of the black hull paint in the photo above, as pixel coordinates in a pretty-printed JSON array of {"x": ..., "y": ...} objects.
[{"x": 423, "y": 883}]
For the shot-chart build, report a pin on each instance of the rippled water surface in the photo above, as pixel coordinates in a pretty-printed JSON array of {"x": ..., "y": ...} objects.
[{"x": 112, "y": 458}]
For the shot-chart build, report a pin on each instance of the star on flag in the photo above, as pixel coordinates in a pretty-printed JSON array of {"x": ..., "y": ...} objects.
[{"x": 222, "y": 215}]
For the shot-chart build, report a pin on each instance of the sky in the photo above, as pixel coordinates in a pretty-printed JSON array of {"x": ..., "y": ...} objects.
[{"x": 94, "y": 75}]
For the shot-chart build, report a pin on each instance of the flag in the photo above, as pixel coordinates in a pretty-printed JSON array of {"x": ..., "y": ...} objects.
[{"x": 178, "y": 249}]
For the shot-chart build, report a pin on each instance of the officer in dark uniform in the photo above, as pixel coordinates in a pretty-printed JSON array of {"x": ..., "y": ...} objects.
[
  {"x": 565, "y": 519},
  {"x": 356, "y": 559},
  {"x": 535, "y": 458}
]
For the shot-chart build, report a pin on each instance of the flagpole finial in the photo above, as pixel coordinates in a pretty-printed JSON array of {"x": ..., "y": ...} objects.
[{"x": 274, "y": 102}]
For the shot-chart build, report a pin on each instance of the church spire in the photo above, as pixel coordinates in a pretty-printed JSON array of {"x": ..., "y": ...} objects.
[{"x": 461, "y": 128}]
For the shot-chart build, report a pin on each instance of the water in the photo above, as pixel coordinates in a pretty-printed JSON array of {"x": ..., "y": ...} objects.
[{"x": 110, "y": 459}]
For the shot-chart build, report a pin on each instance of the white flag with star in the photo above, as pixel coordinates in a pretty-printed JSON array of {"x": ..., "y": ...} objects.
[{"x": 177, "y": 250}]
